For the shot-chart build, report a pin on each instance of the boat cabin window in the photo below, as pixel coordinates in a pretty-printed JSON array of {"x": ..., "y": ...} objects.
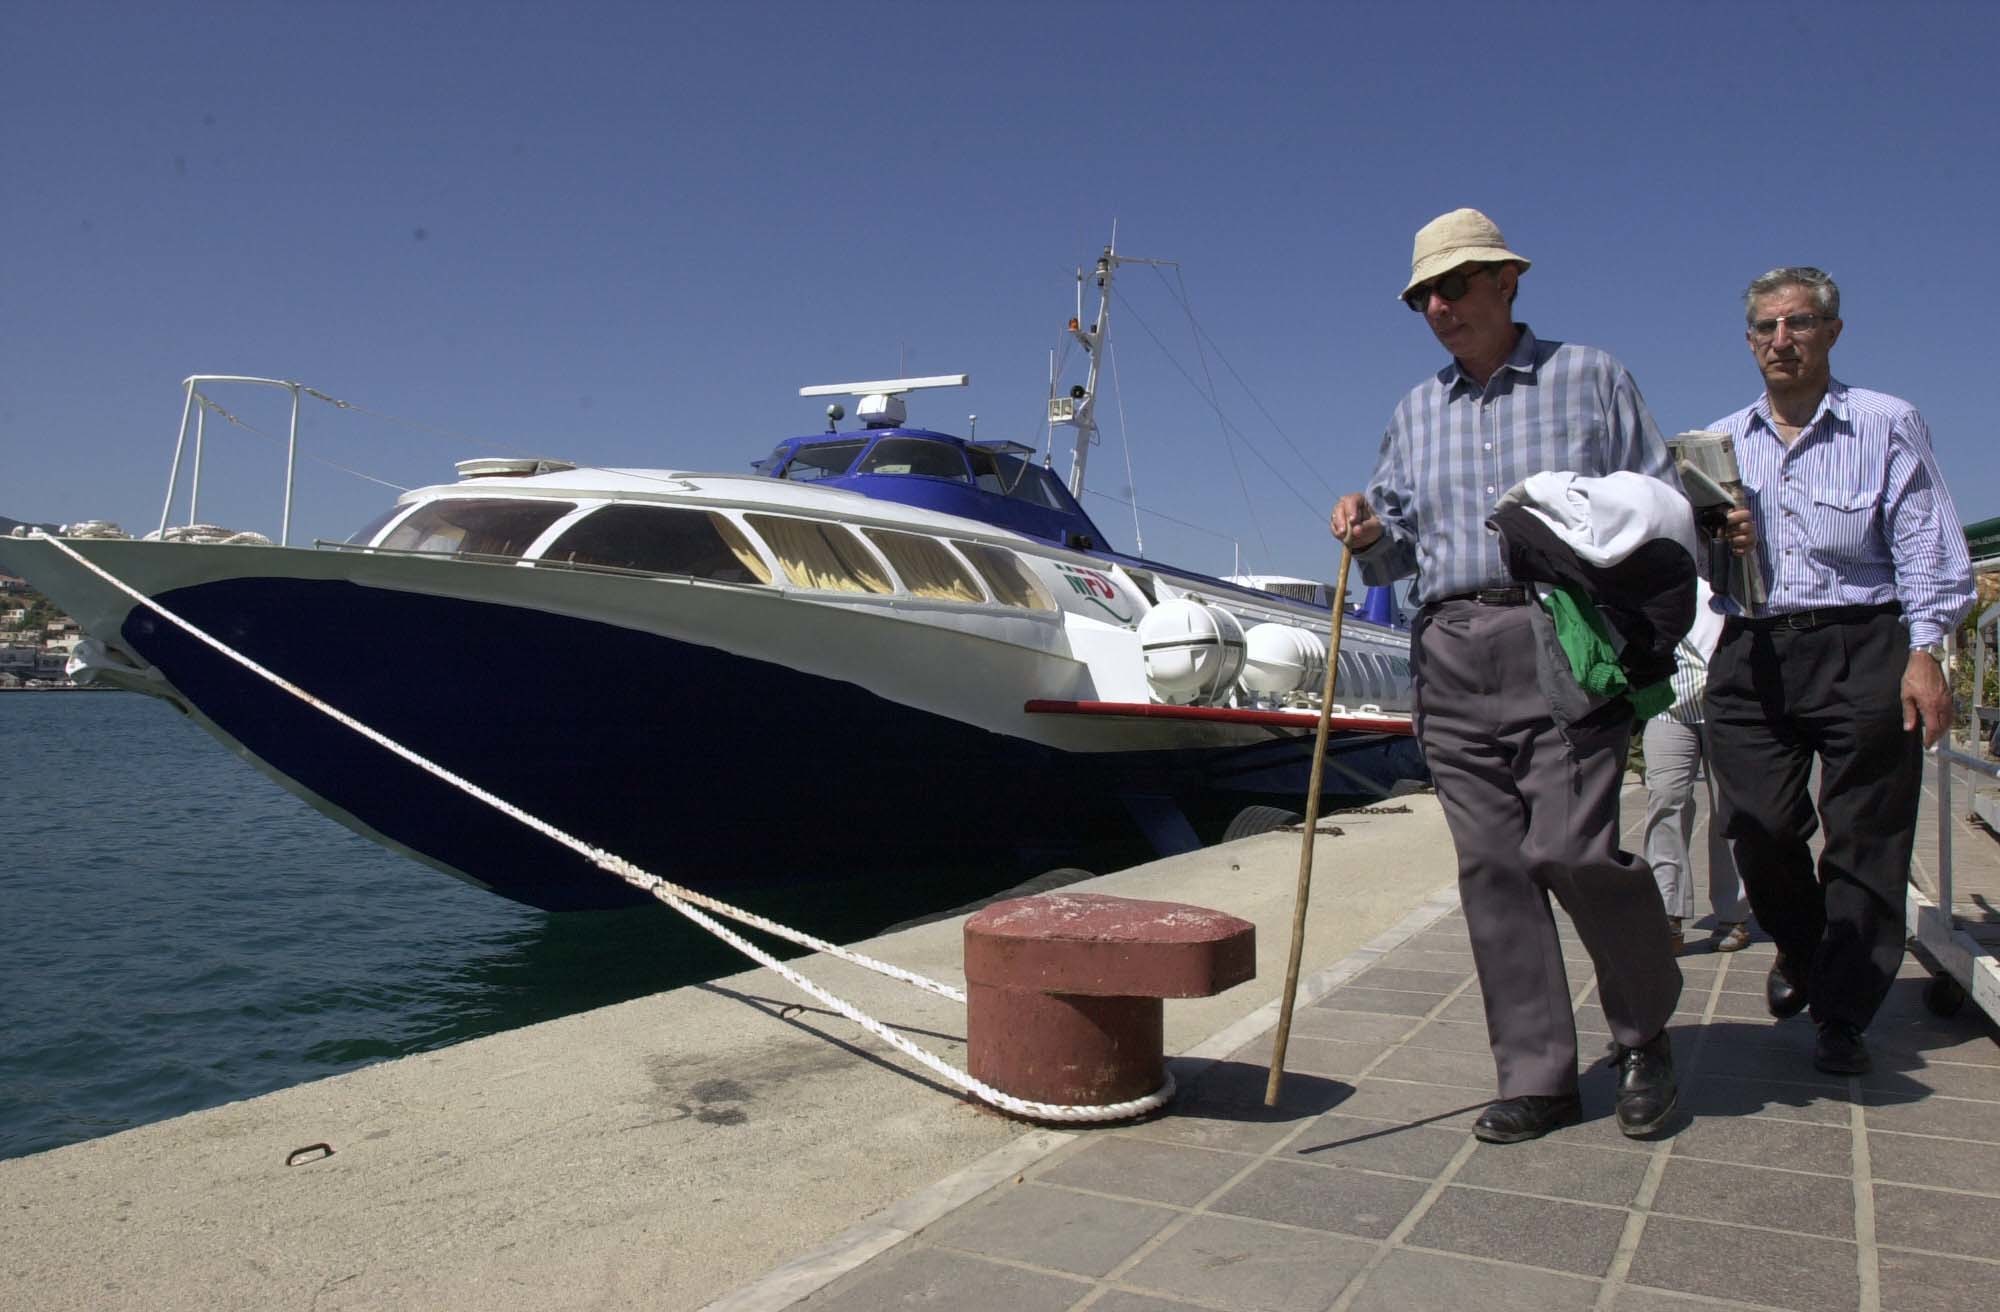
[
  {"x": 364, "y": 535},
  {"x": 820, "y": 555},
  {"x": 1012, "y": 476},
  {"x": 1006, "y": 577},
  {"x": 698, "y": 543},
  {"x": 809, "y": 464},
  {"x": 926, "y": 566},
  {"x": 915, "y": 455},
  {"x": 464, "y": 526}
]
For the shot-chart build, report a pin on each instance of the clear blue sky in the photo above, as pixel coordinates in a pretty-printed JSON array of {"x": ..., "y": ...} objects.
[{"x": 628, "y": 233}]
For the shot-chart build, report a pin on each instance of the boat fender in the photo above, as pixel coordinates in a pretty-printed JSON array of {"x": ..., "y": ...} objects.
[
  {"x": 1194, "y": 651},
  {"x": 1282, "y": 658}
]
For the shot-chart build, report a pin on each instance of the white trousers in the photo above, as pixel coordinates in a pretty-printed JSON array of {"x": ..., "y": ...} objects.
[{"x": 1673, "y": 753}]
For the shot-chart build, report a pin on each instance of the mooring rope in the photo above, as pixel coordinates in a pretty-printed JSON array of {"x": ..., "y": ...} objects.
[{"x": 684, "y": 900}]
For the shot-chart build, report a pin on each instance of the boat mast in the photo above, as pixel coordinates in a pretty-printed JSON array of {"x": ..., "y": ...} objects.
[{"x": 1079, "y": 408}]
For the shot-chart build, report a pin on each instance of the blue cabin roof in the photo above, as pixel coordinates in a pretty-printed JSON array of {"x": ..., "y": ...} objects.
[{"x": 992, "y": 482}]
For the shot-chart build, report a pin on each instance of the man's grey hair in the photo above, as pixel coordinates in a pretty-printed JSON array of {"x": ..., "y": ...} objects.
[{"x": 1825, "y": 292}]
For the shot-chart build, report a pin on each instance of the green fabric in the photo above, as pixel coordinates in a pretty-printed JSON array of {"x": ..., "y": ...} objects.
[{"x": 1586, "y": 640}]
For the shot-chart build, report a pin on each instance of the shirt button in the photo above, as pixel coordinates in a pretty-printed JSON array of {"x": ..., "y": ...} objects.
[
  {"x": 1489, "y": 491},
  {"x": 1487, "y": 447}
]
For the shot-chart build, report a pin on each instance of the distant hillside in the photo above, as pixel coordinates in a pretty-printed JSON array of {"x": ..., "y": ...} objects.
[{"x": 7, "y": 526}]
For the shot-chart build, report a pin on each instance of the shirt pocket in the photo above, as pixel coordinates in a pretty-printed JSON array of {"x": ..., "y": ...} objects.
[{"x": 1842, "y": 522}]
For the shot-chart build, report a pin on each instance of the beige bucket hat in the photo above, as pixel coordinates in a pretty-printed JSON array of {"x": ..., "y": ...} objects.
[{"x": 1449, "y": 240}]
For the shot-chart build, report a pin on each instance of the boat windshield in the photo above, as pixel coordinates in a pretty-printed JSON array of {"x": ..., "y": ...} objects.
[
  {"x": 809, "y": 464},
  {"x": 915, "y": 455},
  {"x": 1012, "y": 476},
  {"x": 466, "y": 526}
]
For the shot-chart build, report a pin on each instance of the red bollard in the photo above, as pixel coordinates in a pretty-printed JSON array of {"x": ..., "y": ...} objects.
[{"x": 1064, "y": 990}]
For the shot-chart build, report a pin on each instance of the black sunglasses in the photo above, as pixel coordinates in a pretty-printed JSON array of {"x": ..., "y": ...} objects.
[{"x": 1451, "y": 286}]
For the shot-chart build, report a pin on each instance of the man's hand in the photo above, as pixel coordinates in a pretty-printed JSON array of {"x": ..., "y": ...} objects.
[
  {"x": 1353, "y": 522},
  {"x": 1739, "y": 529},
  {"x": 1925, "y": 697}
]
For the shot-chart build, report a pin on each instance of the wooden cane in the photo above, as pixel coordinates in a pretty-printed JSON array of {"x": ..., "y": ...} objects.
[{"x": 1306, "y": 848}]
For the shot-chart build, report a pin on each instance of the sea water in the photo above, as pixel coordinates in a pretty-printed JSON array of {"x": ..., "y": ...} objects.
[{"x": 177, "y": 932}]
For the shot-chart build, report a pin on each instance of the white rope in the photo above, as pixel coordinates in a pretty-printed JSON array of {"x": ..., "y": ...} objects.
[{"x": 684, "y": 900}]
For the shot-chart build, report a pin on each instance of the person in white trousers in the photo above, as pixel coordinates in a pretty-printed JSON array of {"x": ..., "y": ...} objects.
[{"x": 1676, "y": 746}]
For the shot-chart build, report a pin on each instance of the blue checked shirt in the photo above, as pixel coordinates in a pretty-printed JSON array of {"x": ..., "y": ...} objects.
[
  {"x": 1452, "y": 450},
  {"x": 1854, "y": 512}
]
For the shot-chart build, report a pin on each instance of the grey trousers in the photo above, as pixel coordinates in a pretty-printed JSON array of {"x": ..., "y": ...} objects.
[
  {"x": 1674, "y": 751},
  {"x": 1533, "y": 811}
]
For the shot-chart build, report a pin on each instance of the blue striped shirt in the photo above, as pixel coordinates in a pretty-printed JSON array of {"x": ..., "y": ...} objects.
[
  {"x": 1453, "y": 449},
  {"x": 1854, "y": 512}
]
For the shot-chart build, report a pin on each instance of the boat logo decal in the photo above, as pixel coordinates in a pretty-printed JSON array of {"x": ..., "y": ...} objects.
[{"x": 1093, "y": 587}]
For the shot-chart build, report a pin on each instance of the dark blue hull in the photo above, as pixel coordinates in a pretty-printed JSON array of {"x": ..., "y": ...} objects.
[{"x": 745, "y": 779}]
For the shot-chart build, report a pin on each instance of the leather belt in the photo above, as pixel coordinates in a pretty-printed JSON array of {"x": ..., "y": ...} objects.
[
  {"x": 1517, "y": 595},
  {"x": 1812, "y": 619}
]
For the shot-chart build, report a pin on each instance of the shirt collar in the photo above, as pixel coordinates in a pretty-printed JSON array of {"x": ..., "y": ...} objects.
[
  {"x": 1834, "y": 403},
  {"x": 1521, "y": 360}
]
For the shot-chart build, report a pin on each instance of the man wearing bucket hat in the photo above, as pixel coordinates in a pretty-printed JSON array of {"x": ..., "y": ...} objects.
[{"x": 1532, "y": 805}]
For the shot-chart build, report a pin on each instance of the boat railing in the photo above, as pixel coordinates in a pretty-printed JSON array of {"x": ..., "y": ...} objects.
[{"x": 199, "y": 416}]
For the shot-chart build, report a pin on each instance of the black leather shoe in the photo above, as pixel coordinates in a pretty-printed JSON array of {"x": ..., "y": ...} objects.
[
  {"x": 1647, "y": 1089},
  {"x": 1784, "y": 995},
  {"x": 1530, "y": 1116},
  {"x": 1840, "y": 1050}
]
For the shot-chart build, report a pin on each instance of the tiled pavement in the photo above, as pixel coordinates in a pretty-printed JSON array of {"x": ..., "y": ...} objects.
[{"x": 1778, "y": 1187}]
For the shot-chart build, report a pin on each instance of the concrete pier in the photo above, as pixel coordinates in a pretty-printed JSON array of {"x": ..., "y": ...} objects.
[{"x": 733, "y": 1146}]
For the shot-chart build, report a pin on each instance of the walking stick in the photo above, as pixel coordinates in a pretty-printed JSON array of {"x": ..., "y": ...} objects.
[{"x": 1306, "y": 847}]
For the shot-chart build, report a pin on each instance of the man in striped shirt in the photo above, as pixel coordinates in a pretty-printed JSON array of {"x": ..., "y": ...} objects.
[
  {"x": 1532, "y": 806},
  {"x": 1866, "y": 572}
]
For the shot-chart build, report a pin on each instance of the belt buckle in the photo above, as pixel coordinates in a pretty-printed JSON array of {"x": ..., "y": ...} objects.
[{"x": 1802, "y": 620}]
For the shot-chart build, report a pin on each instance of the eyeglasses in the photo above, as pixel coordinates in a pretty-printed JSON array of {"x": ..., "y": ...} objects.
[
  {"x": 1795, "y": 324},
  {"x": 1451, "y": 286}
]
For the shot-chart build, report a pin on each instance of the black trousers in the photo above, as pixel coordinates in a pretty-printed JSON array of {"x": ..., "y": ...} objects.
[{"x": 1776, "y": 699}]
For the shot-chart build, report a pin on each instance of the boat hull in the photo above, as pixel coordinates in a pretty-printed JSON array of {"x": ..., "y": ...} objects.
[{"x": 886, "y": 765}]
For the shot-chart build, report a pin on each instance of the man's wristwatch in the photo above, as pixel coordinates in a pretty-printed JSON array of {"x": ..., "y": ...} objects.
[{"x": 1935, "y": 651}]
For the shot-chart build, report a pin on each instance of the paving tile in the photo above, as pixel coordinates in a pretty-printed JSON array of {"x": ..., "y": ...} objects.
[
  {"x": 1716, "y": 1095},
  {"x": 1151, "y": 1172},
  {"x": 1251, "y": 1267},
  {"x": 1441, "y": 939},
  {"x": 1323, "y": 1198},
  {"x": 1510, "y": 1227},
  {"x": 1387, "y": 976},
  {"x": 1746, "y": 1005},
  {"x": 1051, "y": 1228},
  {"x": 1762, "y": 1062},
  {"x": 1311, "y": 1055},
  {"x": 1464, "y": 1070},
  {"x": 1410, "y": 1104},
  {"x": 1939, "y": 1220},
  {"x": 1958, "y": 1118},
  {"x": 1758, "y": 1195},
  {"x": 1631, "y": 1299},
  {"x": 1768, "y": 1141},
  {"x": 1234, "y": 1090},
  {"x": 1900, "y": 1070},
  {"x": 1755, "y": 1266},
  {"x": 1946, "y": 1163},
  {"x": 1213, "y": 1130},
  {"x": 1322, "y": 1022},
  {"x": 1557, "y": 1169},
  {"x": 1413, "y": 1150},
  {"x": 1469, "y": 1007},
  {"x": 1459, "y": 962},
  {"x": 919, "y": 1276},
  {"x": 1393, "y": 1002},
  {"x": 1120, "y": 1301},
  {"x": 1452, "y": 1036},
  {"x": 1409, "y": 1280},
  {"x": 1951, "y": 1040},
  {"x": 1920, "y": 1282}
]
